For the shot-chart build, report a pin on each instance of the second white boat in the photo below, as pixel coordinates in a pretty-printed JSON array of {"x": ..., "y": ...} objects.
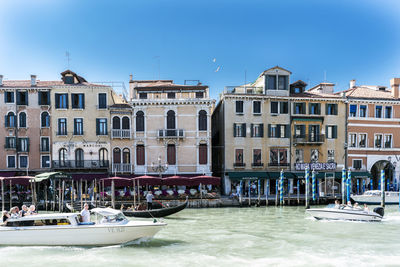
[{"x": 346, "y": 213}]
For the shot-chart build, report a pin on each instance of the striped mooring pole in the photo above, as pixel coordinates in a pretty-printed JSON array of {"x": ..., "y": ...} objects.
[
  {"x": 371, "y": 184},
  {"x": 387, "y": 185},
  {"x": 307, "y": 176},
  {"x": 348, "y": 184},
  {"x": 314, "y": 193},
  {"x": 266, "y": 192},
  {"x": 281, "y": 188},
  {"x": 343, "y": 182},
  {"x": 363, "y": 186},
  {"x": 382, "y": 188},
  {"x": 276, "y": 191},
  {"x": 358, "y": 186}
]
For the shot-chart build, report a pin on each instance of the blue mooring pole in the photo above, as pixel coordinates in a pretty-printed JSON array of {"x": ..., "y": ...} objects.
[
  {"x": 307, "y": 176},
  {"x": 348, "y": 185},
  {"x": 314, "y": 194},
  {"x": 343, "y": 183},
  {"x": 281, "y": 188},
  {"x": 382, "y": 188}
]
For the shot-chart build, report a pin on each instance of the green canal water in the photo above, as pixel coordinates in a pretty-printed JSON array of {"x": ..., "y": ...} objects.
[{"x": 237, "y": 237}]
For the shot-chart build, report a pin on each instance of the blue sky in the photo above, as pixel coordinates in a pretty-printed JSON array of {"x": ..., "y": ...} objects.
[{"x": 108, "y": 40}]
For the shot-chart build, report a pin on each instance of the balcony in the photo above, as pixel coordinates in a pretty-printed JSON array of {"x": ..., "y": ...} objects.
[
  {"x": 80, "y": 164},
  {"x": 122, "y": 134},
  {"x": 239, "y": 165},
  {"x": 122, "y": 168},
  {"x": 310, "y": 139},
  {"x": 249, "y": 90},
  {"x": 278, "y": 164},
  {"x": 257, "y": 165},
  {"x": 171, "y": 133}
]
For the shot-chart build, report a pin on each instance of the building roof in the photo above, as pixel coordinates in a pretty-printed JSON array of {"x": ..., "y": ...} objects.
[
  {"x": 42, "y": 84},
  {"x": 276, "y": 67},
  {"x": 367, "y": 92},
  {"x": 165, "y": 85},
  {"x": 315, "y": 95}
]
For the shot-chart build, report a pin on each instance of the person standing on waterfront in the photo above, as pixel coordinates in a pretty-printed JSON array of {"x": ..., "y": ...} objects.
[
  {"x": 85, "y": 213},
  {"x": 149, "y": 200}
]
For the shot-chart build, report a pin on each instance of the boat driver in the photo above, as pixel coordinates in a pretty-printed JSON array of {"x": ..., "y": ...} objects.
[{"x": 85, "y": 213}]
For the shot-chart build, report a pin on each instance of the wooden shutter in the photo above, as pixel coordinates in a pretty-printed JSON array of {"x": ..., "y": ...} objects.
[
  {"x": 97, "y": 126},
  {"x": 39, "y": 98},
  {"x": 262, "y": 130},
  {"x": 326, "y": 108},
  {"x": 203, "y": 154},
  {"x": 287, "y": 130},
  {"x": 243, "y": 129},
  {"x": 334, "y": 132},
  {"x": 66, "y": 101},
  {"x": 140, "y": 155},
  {"x": 234, "y": 130},
  {"x": 327, "y": 132},
  {"x": 171, "y": 155},
  {"x": 251, "y": 130},
  {"x": 269, "y": 130},
  {"x": 83, "y": 101},
  {"x": 278, "y": 131}
]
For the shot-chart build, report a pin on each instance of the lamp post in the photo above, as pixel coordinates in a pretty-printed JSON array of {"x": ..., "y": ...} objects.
[{"x": 159, "y": 167}]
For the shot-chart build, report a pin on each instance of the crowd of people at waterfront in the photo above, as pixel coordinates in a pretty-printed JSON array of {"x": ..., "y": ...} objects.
[{"x": 15, "y": 212}]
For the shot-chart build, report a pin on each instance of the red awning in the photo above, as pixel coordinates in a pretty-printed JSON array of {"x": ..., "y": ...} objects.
[
  {"x": 88, "y": 176},
  {"x": 205, "y": 179},
  {"x": 118, "y": 181},
  {"x": 21, "y": 180},
  {"x": 148, "y": 180},
  {"x": 177, "y": 180}
]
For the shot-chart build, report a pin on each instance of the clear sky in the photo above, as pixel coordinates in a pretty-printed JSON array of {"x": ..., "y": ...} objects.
[{"x": 108, "y": 40}]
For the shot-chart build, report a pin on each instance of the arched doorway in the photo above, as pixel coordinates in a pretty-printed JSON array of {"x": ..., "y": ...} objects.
[{"x": 376, "y": 172}]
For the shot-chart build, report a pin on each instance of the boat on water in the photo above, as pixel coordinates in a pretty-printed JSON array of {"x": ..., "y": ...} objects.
[
  {"x": 111, "y": 227},
  {"x": 156, "y": 213},
  {"x": 344, "y": 212},
  {"x": 374, "y": 197}
]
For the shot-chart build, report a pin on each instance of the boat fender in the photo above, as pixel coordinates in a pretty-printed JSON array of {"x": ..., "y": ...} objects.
[{"x": 380, "y": 211}]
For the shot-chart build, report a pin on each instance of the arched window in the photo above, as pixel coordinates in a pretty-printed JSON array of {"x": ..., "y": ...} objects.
[
  {"x": 202, "y": 120},
  {"x": 140, "y": 121},
  {"x": 45, "y": 119},
  {"x": 116, "y": 124},
  {"x": 125, "y": 123},
  {"x": 103, "y": 157},
  {"x": 126, "y": 156},
  {"x": 62, "y": 157},
  {"x": 116, "y": 155},
  {"x": 171, "y": 154},
  {"x": 22, "y": 120},
  {"x": 10, "y": 119},
  {"x": 79, "y": 161},
  {"x": 171, "y": 119}
]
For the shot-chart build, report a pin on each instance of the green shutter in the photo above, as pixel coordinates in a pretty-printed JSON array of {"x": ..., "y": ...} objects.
[
  {"x": 243, "y": 129},
  {"x": 334, "y": 134},
  {"x": 326, "y": 108},
  {"x": 67, "y": 98},
  {"x": 234, "y": 130},
  {"x": 262, "y": 130},
  {"x": 251, "y": 130},
  {"x": 83, "y": 101},
  {"x": 269, "y": 130},
  {"x": 97, "y": 126},
  {"x": 278, "y": 131},
  {"x": 287, "y": 132}
]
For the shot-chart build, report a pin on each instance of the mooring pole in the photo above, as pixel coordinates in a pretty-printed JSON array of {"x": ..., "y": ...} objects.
[
  {"x": 276, "y": 191},
  {"x": 266, "y": 192},
  {"x": 134, "y": 194},
  {"x": 383, "y": 188},
  {"x": 307, "y": 187},
  {"x": 343, "y": 182},
  {"x": 298, "y": 191},
  {"x": 2, "y": 194}
]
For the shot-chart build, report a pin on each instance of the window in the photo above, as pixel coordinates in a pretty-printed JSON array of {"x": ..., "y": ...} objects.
[
  {"x": 78, "y": 126},
  {"x": 44, "y": 144},
  {"x": 257, "y": 130},
  {"x": 116, "y": 155},
  {"x": 22, "y": 120},
  {"x": 331, "y": 156},
  {"x": 44, "y": 98},
  {"x": 299, "y": 156},
  {"x": 116, "y": 123},
  {"x": 331, "y": 131},
  {"x": 271, "y": 82},
  {"x": 300, "y": 131},
  {"x": 284, "y": 107},
  {"x": 171, "y": 119},
  {"x": 23, "y": 161},
  {"x": 171, "y": 154},
  {"x": 257, "y": 157},
  {"x": 256, "y": 107},
  {"x": 101, "y": 127},
  {"x": 10, "y": 161},
  {"x": 352, "y": 140},
  {"x": 299, "y": 108},
  {"x": 203, "y": 154},
  {"x": 45, "y": 162},
  {"x": 239, "y": 107},
  {"x": 363, "y": 111},
  {"x": 103, "y": 157},
  {"x": 140, "y": 121},
  {"x": 23, "y": 144},
  {"x": 8, "y": 97},
  {"x": 388, "y": 140},
  {"x": 62, "y": 126},
  {"x": 10, "y": 120},
  {"x": 282, "y": 82},
  {"x": 353, "y": 110},
  {"x": 378, "y": 140},
  {"x": 45, "y": 120},
  {"x": 78, "y": 101},
  {"x": 79, "y": 158},
  {"x": 314, "y": 108},
  {"x": 171, "y": 95},
  {"x": 22, "y": 98},
  {"x": 274, "y": 108},
  {"x": 61, "y": 101},
  {"x": 10, "y": 142},
  {"x": 314, "y": 155},
  {"x": 202, "y": 120},
  {"x": 199, "y": 94},
  {"x": 313, "y": 133},
  {"x": 239, "y": 130},
  {"x": 357, "y": 164},
  {"x": 142, "y": 95},
  {"x": 62, "y": 157},
  {"x": 278, "y": 157},
  {"x": 126, "y": 123},
  {"x": 239, "y": 157},
  {"x": 102, "y": 101},
  {"x": 388, "y": 112},
  {"x": 378, "y": 111},
  {"x": 278, "y": 131},
  {"x": 331, "y": 109},
  {"x": 140, "y": 155},
  {"x": 126, "y": 156},
  {"x": 362, "y": 140}
]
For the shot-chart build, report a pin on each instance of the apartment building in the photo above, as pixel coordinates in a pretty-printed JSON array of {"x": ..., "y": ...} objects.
[
  {"x": 172, "y": 127},
  {"x": 271, "y": 125}
]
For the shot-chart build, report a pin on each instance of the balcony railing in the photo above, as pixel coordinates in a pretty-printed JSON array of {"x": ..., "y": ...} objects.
[
  {"x": 309, "y": 139},
  {"x": 85, "y": 164},
  {"x": 278, "y": 164},
  {"x": 239, "y": 164},
  {"x": 250, "y": 90},
  {"x": 257, "y": 165},
  {"x": 118, "y": 133},
  {"x": 122, "y": 168},
  {"x": 171, "y": 133}
]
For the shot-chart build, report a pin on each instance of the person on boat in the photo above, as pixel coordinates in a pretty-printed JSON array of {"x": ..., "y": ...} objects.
[
  {"x": 5, "y": 216},
  {"x": 337, "y": 204},
  {"x": 366, "y": 207},
  {"x": 24, "y": 211},
  {"x": 14, "y": 213},
  {"x": 356, "y": 206},
  {"x": 32, "y": 210},
  {"x": 149, "y": 200},
  {"x": 349, "y": 204},
  {"x": 122, "y": 207},
  {"x": 85, "y": 213}
]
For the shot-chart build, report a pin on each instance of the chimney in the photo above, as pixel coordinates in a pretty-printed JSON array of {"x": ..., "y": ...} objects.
[
  {"x": 352, "y": 83},
  {"x": 1, "y": 80},
  {"x": 33, "y": 80},
  {"x": 130, "y": 78},
  {"x": 394, "y": 83}
]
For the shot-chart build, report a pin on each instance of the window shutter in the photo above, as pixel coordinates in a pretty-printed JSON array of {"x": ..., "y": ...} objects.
[
  {"x": 5, "y": 97},
  {"x": 287, "y": 128},
  {"x": 326, "y": 108},
  {"x": 26, "y": 98},
  {"x": 309, "y": 108},
  {"x": 59, "y": 126},
  {"x": 243, "y": 129},
  {"x": 83, "y": 101},
  {"x": 251, "y": 130},
  {"x": 303, "y": 130},
  {"x": 269, "y": 130},
  {"x": 334, "y": 134},
  {"x": 27, "y": 144},
  {"x": 278, "y": 131},
  {"x": 97, "y": 126},
  {"x": 319, "y": 108},
  {"x": 262, "y": 130},
  {"x": 57, "y": 100},
  {"x": 327, "y": 132},
  {"x": 234, "y": 130},
  {"x": 5, "y": 121},
  {"x": 40, "y": 98},
  {"x": 66, "y": 101},
  {"x": 48, "y": 98},
  {"x": 18, "y": 98}
]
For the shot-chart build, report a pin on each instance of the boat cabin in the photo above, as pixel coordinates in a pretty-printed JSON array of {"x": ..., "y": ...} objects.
[{"x": 45, "y": 220}]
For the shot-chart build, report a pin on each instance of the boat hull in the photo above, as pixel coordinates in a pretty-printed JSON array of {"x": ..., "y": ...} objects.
[
  {"x": 96, "y": 235},
  {"x": 157, "y": 213},
  {"x": 338, "y": 214},
  {"x": 375, "y": 200}
]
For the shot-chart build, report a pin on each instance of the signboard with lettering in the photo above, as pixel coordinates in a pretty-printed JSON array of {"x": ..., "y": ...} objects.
[{"x": 317, "y": 166}]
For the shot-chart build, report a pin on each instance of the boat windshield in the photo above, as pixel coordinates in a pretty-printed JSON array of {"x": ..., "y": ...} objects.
[{"x": 119, "y": 218}]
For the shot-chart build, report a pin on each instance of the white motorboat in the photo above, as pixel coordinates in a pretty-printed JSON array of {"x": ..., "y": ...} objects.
[
  {"x": 65, "y": 229},
  {"x": 346, "y": 213},
  {"x": 374, "y": 197}
]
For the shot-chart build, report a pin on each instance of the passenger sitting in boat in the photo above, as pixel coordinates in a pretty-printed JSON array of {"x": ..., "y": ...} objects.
[
  {"x": 337, "y": 204},
  {"x": 122, "y": 207},
  {"x": 32, "y": 210},
  {"x": 5, "y": 216},
  {"x": 85, "y": 213},
  {"x": 24, "y": 211},
  {"x": 14, "y": 212},
  {"x": 366, "y": 207},
  {"x": 356, "y": 206},
  {"x": 349, "y": 204}
]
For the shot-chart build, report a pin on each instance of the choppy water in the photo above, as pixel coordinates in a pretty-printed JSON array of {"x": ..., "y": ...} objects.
[{"x": 237, "y": 237}]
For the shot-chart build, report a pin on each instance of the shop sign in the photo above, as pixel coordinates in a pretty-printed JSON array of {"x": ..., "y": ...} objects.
[{"x": 317, "y": 166}]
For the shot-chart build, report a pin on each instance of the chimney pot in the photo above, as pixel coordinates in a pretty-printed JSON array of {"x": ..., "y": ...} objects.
[
  {"x": 130, "y": 78},
  {"x": 1, "y": 80},
  {"x": 33, "y": 80},
  {"x": 352, "y": 83},
  {"x": 394, "y": 83}
]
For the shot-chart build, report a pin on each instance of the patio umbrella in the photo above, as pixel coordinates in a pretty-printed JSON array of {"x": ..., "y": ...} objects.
[
  {"x": 177, "y": 180},
  {"x": 205, "y": 179},
  {"x": 149, "y": 180}
]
